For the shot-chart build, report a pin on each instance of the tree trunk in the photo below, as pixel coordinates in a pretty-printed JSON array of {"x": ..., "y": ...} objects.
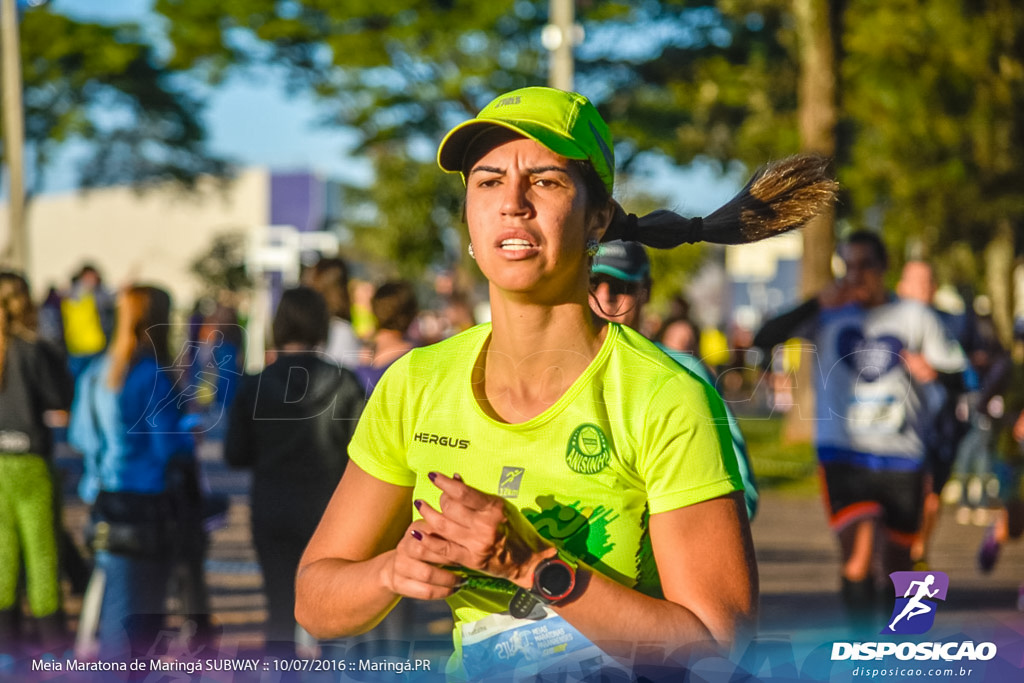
[
  {"x": 818, "y": 115},
  {"x": 999, "y": 280},
  {"x": 817, "y": 24}
]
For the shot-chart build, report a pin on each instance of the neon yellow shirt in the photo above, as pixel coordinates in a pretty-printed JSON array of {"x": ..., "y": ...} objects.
[
  {"x": 632, "y": 436},
  {"x": 83, "y": 333}
]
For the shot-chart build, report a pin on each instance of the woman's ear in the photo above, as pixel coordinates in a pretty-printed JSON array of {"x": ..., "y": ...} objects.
[{"x": 599, "y": 220}]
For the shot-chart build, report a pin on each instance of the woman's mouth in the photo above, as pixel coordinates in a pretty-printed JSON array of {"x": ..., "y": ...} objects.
[{"x": 515, "y": 244}]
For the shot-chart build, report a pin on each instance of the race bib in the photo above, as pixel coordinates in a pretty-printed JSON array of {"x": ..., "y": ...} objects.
[
  {"x": 500, "y": 645},
  {"x": 876, "y": 417}
]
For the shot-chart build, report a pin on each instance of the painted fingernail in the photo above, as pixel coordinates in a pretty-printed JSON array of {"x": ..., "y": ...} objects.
[
  {"x": 417, "y": 503},
  {"x": 431, "y": 476},
  {"x": 416, "y": 534},
  {"x": 457, "y": 476}
]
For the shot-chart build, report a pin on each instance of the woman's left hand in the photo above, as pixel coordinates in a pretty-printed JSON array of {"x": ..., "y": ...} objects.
[{"x": 482, "y": 532}]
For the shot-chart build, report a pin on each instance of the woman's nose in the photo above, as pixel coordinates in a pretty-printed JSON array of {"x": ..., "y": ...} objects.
[{"x": 515, "y": 201}]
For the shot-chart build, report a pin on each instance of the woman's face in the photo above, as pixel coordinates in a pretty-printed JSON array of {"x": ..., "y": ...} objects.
[
  {"x": 680, "y": 336},
  {"x": 526, "y": 208}
]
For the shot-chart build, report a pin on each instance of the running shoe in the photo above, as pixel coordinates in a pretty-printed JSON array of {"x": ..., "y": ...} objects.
[
  {"x": 952, "y": 492},
  {"x": 988, "y": 553},
  {"x": 963, "y": 515}
]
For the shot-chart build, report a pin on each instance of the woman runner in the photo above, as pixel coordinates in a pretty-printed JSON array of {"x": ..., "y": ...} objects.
[{"x": 567, "y": 490}]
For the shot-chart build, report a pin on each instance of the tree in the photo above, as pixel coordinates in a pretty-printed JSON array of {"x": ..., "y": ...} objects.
[
  {"x": 924, "y": 115},
  {"x": 933, "y": 92},
  {"x": 680, "y": 79},
  {"x": 104, "y": 86},
  {"x": 409, "y": 220},
  {"x": 817, "y": 24},
  {"x": 222, "y": 267}
]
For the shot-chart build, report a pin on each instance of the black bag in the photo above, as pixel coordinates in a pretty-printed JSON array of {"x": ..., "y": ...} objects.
[{"x": 126, "y": 523}]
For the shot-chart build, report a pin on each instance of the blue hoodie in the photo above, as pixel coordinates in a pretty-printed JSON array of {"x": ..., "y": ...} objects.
[{"x": 126, "y": 437}]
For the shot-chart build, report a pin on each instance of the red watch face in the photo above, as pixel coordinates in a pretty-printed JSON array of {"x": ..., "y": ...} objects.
[{"x": 554, "y": 579}]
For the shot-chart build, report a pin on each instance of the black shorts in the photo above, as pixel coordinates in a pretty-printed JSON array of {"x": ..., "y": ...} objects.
[
  {"x": 940, "y": 471},
  {"x": 854, "y": 493}
]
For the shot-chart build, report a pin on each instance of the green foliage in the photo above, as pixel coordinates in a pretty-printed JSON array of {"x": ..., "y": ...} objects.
[
  {"x": 404, "y": 220},
  {"x": 222, "y": 267},
  {"x": 933, "y": 93},
  {"x": 777, "y": 465},
  {"x": 682, "y": 78},
  {"x": 104, "y": 86},
  {"x": 930, "y": 139}
]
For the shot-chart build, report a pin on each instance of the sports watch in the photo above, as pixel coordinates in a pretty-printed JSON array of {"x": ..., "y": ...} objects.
[{"x": 553, "y": 581}]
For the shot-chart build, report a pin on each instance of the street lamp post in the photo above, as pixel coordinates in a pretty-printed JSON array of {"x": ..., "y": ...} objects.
[
  {"x": 560, "y": 36},
  {"x": 16, "y": 253}
]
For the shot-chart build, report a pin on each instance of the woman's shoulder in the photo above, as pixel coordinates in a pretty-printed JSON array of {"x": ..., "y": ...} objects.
[
  {"x": 642, "y": 368},
  {"x": 452, "y": 349},
  {"x": 425, "y": 368},
  {"x": 33, "y": 347},
  {"x": 144, "y": 377},
  {"x": 640, "y": 350}
]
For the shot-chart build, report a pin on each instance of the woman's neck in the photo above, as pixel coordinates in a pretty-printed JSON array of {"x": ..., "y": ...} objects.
[{"x": 535, "y": 353}]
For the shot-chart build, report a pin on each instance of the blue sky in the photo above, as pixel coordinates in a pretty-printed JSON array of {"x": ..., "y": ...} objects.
[{"x": 254, "y": 122}]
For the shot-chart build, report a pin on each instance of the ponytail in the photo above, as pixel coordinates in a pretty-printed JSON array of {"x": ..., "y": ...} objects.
[{"x": 780, "y": 197}]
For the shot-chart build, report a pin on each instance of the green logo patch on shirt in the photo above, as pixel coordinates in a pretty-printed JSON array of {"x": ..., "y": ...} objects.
[{"x": 587, "y": 452}]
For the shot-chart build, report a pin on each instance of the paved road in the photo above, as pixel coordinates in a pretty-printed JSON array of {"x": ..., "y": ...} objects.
[
  {"x": 232, "y": 572},
  {"x": 796, "y": 555}
]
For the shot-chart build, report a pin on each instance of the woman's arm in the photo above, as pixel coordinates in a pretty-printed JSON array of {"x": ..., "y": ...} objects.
[
  {"x": 782, "y": 327},
  {"x": 705, "y": 557},
  {"x": 708, "y": 575},
  {"x": 357, "y": 564},
  {"x": 704, "y": 554}
]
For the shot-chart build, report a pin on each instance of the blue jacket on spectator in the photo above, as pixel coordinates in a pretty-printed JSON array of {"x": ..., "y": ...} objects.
[{"x": 126, "y": 437}]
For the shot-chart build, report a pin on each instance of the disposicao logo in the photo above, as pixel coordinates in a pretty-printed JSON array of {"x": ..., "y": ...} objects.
[
  {"x": 914, "y": 613},
  {"x": 916, "y": 593}
]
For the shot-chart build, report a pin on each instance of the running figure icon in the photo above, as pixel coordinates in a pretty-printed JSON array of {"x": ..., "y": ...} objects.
[
  {"x": 917, "y": 600},
  {"x": 916, "y": 606}
]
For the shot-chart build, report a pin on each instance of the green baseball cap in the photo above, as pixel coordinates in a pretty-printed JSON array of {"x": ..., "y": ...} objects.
[
  {"x": 564, "y": 122},
  {"x": 626, "y": 261}
]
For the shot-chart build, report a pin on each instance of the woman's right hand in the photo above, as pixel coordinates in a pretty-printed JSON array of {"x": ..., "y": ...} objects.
[{"x": 408, "y": 574}]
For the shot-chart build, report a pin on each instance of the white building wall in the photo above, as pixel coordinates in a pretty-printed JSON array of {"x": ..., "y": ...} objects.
[{"x": 149, "y": 237}]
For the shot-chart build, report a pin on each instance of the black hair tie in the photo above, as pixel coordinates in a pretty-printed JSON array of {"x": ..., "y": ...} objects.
[
  {"x": 665, "y": 229},
  {"x": 693, "y": 232}
]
